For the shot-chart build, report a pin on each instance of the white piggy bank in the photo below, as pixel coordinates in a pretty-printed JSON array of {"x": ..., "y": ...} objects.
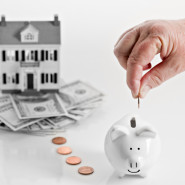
[{"x": 132, "y": 146}]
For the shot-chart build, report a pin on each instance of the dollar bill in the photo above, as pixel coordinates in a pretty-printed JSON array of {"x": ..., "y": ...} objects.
[
  {"x": 9, "y": 117},
  {"x": 49, "y": 113},
  {"x": 61, "y": 121},
  {"x": 34, "y": 129},
  {"x": 40, "y": 106},
  {"x": 4, "y": 99},
  {"x": 45, "y": 124},
  {"x": 78, "y": 93}
]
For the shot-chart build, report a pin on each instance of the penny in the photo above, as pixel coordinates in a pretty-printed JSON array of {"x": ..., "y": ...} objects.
[
  {"x": 85, "y": 170},
  {"x": 59, "y": 140},
  {"x": 64, "y": 150},
  {"x": 73, "y": 160}
]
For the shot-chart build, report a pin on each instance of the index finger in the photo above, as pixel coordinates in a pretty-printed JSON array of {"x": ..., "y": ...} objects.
[{"x": 141, "y": 55}]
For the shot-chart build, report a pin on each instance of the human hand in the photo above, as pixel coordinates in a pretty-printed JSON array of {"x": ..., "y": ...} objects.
[{"x": 136, "y": 48}]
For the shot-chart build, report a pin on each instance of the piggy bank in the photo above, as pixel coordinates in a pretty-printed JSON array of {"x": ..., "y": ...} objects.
[{"x": 132, "y": 146}]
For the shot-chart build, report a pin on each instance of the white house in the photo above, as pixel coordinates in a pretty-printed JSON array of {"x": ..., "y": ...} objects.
[{"x": 29, "y": 55}]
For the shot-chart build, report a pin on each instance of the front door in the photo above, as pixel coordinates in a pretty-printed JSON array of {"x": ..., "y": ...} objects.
[{"x": 30, "y": 83}]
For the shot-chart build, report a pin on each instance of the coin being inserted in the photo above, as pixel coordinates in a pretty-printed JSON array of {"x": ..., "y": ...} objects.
[
  {"x": 64, "y": 150},
  {"x": 73, "y": 160},
  {"x": 85, "y": 170},
  {"x": 59, "y": 140}
]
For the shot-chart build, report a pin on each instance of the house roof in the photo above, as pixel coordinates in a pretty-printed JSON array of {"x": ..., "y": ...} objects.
[
  {"x": 48, "y": 32},
  {"x": 29, "y": 28}
]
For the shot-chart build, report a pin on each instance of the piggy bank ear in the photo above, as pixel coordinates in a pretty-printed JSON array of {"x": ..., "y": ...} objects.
[
  {"x": 146, "y": 132},
  {"x": 118, "y": 131}
]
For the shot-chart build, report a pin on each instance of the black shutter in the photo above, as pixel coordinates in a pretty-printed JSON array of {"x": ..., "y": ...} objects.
[
  {"x": 4, "y": 78},
  {"x": 42, "y": 78},
  {"x": 3, "y": 56},
  {"x": 42, "y": 55},
  {"x": 36, "y": 55},
  {"x": 55, "y": 78},
  {"x": 17, "y": 78},
  {"x": 55, "y": 55},
  {"x": 16, "y": 55},
  {"x": 23, "y": 55}
]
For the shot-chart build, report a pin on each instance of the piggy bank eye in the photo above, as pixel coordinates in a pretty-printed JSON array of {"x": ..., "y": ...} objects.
[
  {"x": 130, "y": 148},
  {"x": 138, "y": 148}
]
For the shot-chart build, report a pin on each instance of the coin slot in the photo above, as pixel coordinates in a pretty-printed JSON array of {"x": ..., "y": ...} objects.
[{"x": 133, "y": 122}]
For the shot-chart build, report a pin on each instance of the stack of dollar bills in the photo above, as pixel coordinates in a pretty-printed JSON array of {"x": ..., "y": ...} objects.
[{"x": 48, "y": 113}]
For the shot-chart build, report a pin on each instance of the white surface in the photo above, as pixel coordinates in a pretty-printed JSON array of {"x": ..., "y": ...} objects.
[{"x": 89, "y": 31}]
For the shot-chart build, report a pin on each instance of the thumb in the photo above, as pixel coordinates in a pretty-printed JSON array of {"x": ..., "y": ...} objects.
[{"x": 159, "y": 74}]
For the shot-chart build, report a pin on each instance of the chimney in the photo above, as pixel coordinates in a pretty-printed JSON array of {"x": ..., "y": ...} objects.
[
  {"x": 56, "y": 21},
  {"x": 3, "y": 20}
]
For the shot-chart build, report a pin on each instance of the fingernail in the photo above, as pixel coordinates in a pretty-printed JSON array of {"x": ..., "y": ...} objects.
[
  {"x": 134, "y": 95},
  {"x": 144, "y": 90}
]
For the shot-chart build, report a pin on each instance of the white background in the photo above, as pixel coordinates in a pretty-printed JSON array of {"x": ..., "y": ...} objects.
[{"x": 89, "y": 32}]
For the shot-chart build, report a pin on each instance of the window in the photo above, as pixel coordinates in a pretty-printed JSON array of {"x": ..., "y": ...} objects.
[
  {"x": 46, "y": 78},
  {"x": 17, "y": 78},
  {"x": 55, "y": 55},
  {"x": 29, "y": 36},
  {"x": 13, "y": 80},
  {"x": 51, "y": 55},
  {"x": 8, "y": 55},
  {"x": 42, "y": 78},
  {"x": 46, "y": 55},
  {"x": 27, "y": 55},
  {"x": 32, "y": 55},
  {"x": 51, "y": 78},
  {"x": 23, "y": 55},
  {"x": 12, "y": 55},
  {"x": 4, "y": 78},
  {"x": 17, "y": 55},
  {"x": 3, "y": 56},
  {"x": 55, "y": 78}
]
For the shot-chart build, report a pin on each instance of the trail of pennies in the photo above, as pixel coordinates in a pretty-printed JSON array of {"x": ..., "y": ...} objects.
[{"x": 72, "y": 160}]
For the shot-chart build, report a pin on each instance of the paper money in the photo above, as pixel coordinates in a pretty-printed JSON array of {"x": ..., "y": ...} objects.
[
  {"x": 78, "y": 93},
  {"x": 45, "y": 124},
  {"x": 37, "y": 129},
  {"x": 26, "y": 130},
  {"x": 40, "y": 106},
  {"x": 61, "y": 121},
  {"x": 4, "y": 99},
  {"x": 10, "y": 118},
  {"x": 49, "y": 113}
]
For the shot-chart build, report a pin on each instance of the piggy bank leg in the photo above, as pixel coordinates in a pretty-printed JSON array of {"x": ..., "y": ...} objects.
[
  {"x": 144, "y": 174},
  {"x": 121, "y": 174}
]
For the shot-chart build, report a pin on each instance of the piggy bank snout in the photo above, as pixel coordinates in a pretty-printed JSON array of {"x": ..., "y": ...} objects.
[{"x": 135, "y": 162}]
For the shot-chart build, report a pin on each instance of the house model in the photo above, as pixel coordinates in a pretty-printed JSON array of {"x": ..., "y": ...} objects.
[{"x": 29, "y": 55}]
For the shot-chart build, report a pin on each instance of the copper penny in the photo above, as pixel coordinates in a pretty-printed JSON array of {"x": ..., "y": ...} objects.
[
  {"x": 73, "y": 160},
  {"x": 64, "y": 150},
  {"x": 85, "y": 170},
  {"x": 59, "y": 140}
]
